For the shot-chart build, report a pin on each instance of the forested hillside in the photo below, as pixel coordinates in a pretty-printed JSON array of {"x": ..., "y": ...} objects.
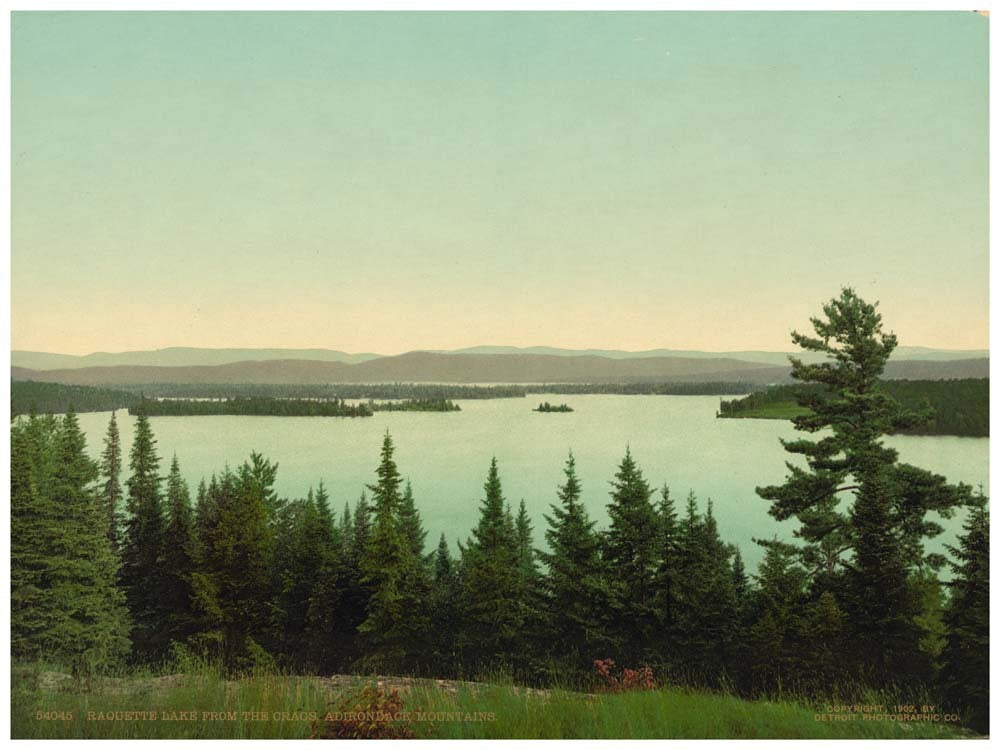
[
  {"x": 957, "y": 407},
  {"x": 55, "y": 398}
]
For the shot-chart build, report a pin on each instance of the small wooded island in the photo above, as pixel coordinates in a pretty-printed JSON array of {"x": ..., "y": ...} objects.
[
  {"x": 545, "y": 406},
  {"x": 281, "y": 407}
]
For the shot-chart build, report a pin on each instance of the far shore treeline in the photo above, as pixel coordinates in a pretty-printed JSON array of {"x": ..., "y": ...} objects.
[
  {"x": 105, "y": 575},
  {"x": 959, "y": 407},
  {"x": 281, "y": 407}
]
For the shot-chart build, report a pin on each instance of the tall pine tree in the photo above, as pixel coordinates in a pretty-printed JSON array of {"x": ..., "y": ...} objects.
[
  {"x": 111, "y": 490},
  {"x": 965, "y": 673},
  {"x": 630, "y": 551},
  {"x": 575, "y": 590},
  {"x": 143, "y": 572}
]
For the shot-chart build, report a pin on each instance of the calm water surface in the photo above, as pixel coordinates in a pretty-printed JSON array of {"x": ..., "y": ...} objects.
[{"x": 675, "y": 439}]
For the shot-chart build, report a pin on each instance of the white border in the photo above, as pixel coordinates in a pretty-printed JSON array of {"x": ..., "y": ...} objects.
[{"x": 446, "y": 5}]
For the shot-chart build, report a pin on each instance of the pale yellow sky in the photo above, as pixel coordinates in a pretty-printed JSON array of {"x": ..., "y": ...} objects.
[{"x": 388, "y": 182}]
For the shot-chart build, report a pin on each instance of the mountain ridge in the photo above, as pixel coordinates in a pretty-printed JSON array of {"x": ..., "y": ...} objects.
[
  {"x": 477, "y": 368},
  {"x": 180, "y": 356}
]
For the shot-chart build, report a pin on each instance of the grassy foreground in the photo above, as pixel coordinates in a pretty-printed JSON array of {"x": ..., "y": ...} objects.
[{"x": 203, "y": 706}]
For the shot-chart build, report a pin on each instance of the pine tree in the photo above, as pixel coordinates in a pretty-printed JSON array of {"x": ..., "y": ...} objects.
[
  {"x": 965, "y": 673},
  {"x": 234, "y": 588},
  {"x": 445, "y": 615},
  {"x": 143, "y": 572},
  {"x": 666, "y": 578},
  {"x": 704, "y": 631},
  {"x": 630, "y": 551},
  {"x": 879, "y": 538},
  {"x": 384, "y": 566},
  {"x": 325, "y": 513},
  {"x": 492, "y": 617},
  {"x": 410, "y": 524},
  {"x": 853, "y": 406},
  {"x": 65, "y": 604},
  {"x": 822, "y": 645},
  {"x": 882, "y": 603},
  {"x": 778, "y": 602},
  {"x": 302, "y": 550},
  {"x": 576, "y": 594},
  {"x": 179, "y": 553},
  {"x": 111, "y": 491}
]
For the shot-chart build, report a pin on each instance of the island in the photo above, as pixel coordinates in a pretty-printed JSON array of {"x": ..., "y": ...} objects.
[
  {"x": 281, "y": 407},
  {"x": 546, "y": 407}
]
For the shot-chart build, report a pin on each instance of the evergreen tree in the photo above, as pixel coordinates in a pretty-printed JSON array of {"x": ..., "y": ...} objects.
[
  {"x": 445, "y": 615},
  {"x": 779, "y": 599},
  {"x": 879, "y": 538},
  {"x": 704, "y": 626},
  {"x": 387, "y": 556},
  {"x": 630, "y": 551},
  {"x": 302, "y": 553},
  {"x": 111, "y": 490},
  {"x": 65, "y": 604},
  {"x": 822, "y": 645},
  {"x": 179, "y": 554},
  {"x": 965, "y": 673},
  {"x": 882, "y": 603},
  {"x": 143, "y": 572},
  {"x": 409, "y": 523},
  {"x": 576, "y": 595},
  {"x": 235, "y": 586},
  {"x": 667, "y": 572},
  {"x": 492, "y": 617},
  {"x": 325, "y": 512}
]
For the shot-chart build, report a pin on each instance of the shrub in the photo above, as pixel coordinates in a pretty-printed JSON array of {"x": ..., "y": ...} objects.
[
  {"x": 372, "y": 714},
  {"x": 624, "y": 681}
]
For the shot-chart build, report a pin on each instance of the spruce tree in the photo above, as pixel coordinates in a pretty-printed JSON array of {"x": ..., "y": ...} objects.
[
  {"x": 325, "y": 512},
  {"x": 630, "y": 551},
  {"x": 111, "y": 490},
  {"x": 410, "y": 524},
  {"x": 882, "y": 604},
  {"x": 302, "y": 550},
  {"x": 703, "y": 635},
  {"x": 666, "y": 578},
  {"x": 65, "y": 602},
  {"x": 179, "y": 554},
  {"x": 235, "y": 589},
  {"x": 492, "y": 617},
  {"x": 143, "y": 572},
  {"x": 774, "y": 656},
  {"x": 384, "y": 564},
  {"x": 445, "y": 615},
  {"x": 965, "y": 673},
  {"x": 576, "y": 595}
]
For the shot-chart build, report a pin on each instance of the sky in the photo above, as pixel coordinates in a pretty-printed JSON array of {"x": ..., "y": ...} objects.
[{"x": 396, "y": 181}]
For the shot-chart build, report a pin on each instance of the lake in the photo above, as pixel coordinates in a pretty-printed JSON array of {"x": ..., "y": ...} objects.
[{"x": 676, "y": 440}]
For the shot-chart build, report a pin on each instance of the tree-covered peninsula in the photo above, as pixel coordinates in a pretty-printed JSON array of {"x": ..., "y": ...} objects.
[{"x": 953, "y": 407}]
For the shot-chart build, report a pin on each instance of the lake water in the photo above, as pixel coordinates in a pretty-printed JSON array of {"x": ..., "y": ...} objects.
[{"x": 675, "y": 439}]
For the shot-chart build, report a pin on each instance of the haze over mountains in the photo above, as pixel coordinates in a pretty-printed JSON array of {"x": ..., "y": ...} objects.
[
  {"x": 179, "y": 356},
  {"x": 478, "y": 365}
]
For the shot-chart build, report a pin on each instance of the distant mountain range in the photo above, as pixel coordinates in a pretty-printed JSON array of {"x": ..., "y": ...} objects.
[
  {"x": 479, "y": 368},
  {"x": 189, "y": 356},
  {"x": 176, "y": 356}
]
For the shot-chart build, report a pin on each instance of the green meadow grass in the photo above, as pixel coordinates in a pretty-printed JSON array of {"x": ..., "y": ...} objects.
[
  {"x": 488, "y": 711},
  {"x": 776, "y": 410}
]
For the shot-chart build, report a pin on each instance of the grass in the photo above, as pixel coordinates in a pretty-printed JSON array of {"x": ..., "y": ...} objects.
[
  {"x": 437, "y": 710},
  {"x": 775, "y": 410}
]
